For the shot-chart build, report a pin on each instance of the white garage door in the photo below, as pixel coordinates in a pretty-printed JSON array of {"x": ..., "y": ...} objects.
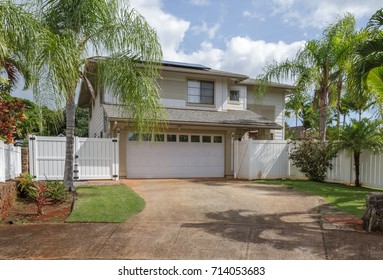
[{"x": 175, "y": 156}]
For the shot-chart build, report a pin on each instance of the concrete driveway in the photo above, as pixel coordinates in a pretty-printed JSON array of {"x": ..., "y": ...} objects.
[{"x": 199, "y": 219}]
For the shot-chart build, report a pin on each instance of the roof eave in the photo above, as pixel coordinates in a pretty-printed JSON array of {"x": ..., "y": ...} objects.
[{"x": 210, "y": 124}]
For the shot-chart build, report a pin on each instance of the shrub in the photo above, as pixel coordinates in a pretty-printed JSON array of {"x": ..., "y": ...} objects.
[
  {"x": 56, "y": 191},
  {"x": 39, "y": 193},
  {"x": 25, "y": 183},
  {"x": 313, "y": 158}
]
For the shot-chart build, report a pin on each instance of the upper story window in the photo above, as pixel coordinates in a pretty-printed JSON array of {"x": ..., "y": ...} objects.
[
  {"x": 201, "y": 92},
  {"x": 234, "y": 95}
]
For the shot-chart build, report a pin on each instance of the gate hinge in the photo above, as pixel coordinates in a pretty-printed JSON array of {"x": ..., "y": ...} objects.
[
  {"x": 32, "y": 138},
  {"x": 115, "y": 176},
  {"x": 75, "y": 177},
  {"x": 114, "y": 140}
]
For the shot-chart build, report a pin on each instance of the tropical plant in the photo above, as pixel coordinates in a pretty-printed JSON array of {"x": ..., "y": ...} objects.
[
  {"x": 366, "y": 73},
  {"x": 75, "y": 28},
  {"x": 39, "y": 193},
  {"x": 56, "y": 191},
  {"x": 313, "y": 158},
  {"x": 318, "y": 67},
  {"x": 18, "y": 29},
  {"x": 358, "y": 136}
]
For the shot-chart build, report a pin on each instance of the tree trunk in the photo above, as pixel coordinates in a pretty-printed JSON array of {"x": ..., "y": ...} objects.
[
  {"x": 357, "y": 164},
  {"x": 70, "y": 119},
  {"x": 339, "y": 104},
  {"x": 323, "y": 103}
]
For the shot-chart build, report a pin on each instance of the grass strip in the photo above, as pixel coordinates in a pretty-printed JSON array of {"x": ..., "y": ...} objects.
[
  {"x": 105, "y": 203},
  {"x": 348, "y": 199}
]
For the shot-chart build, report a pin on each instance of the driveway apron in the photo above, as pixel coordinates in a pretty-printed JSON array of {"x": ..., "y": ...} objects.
[{"x": 198, "y": 219}]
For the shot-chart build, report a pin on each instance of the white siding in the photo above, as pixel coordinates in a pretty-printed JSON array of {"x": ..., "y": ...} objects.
[
  {"x": 239, "y": 105},
  {"x": 272, "y": 97},
  {"x": 96, "y": 122}
]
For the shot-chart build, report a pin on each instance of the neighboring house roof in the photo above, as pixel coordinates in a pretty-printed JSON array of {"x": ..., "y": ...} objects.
[{"x": 235, "y": 118}]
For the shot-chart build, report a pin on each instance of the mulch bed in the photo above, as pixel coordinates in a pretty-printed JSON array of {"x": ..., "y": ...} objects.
[{"x": 23, "y": 212}]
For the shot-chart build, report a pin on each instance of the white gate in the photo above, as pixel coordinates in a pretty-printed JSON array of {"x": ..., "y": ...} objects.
[{"x": 94, "y": 158}]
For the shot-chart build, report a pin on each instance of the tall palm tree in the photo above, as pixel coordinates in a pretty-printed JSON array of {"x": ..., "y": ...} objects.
[
  {"x": 357, "y": 136},
  {"x": 73, "y": 30},
  {"x": 318, "y": 66}
]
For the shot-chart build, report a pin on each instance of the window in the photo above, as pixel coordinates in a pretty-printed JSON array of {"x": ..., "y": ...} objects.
[
  {"x": 184, "y": 138},
  {"x": 201, "y": 92},
  {"x": 194, "y": 138},
  {"x": 217, "y": 139},
  {"x": 206, "y": 139},
  {"x": 133, "y": 137},
  {"x": 159, "y": 138},
  {"x": 234, "y": 95},
  {"x": 171, "y": 138},
  {"x": 146, "y": 137}
]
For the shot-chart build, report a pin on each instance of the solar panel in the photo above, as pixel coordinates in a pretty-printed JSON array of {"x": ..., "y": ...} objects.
[{"x": 185, "y": 65}]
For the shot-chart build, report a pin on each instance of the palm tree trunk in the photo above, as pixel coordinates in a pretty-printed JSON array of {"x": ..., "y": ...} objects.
[
  {"x": 70, "y": 119},
  {"x": 338, "y": 107},
  {"x": 357, "y": 165},
  {"x": 322, "y": 115}
]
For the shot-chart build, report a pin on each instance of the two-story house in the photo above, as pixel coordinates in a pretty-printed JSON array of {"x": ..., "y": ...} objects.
[{"x": 207, "y": 111}]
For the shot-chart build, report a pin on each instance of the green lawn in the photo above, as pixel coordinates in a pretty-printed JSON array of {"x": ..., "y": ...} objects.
[
  {"x": 350, "y": 200},
  {"x": 105, "y": 204}
]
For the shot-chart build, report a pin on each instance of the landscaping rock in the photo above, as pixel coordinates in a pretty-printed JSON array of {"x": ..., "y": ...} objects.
[{"x": 373, "y": 216}]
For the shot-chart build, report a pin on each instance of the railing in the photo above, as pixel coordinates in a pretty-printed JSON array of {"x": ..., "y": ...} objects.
[{"x": 10, "y": 162}]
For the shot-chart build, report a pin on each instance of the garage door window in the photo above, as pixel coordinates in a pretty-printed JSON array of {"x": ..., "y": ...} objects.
[
  {"x": 217, "y": 139},
  {"x": 206, "y": 139},
  {"x": 194, "y": 138},
  {"x": 159, "y": 138},
  {"x": 184, "y": 138},
  {"x": 171, "y": 138}
]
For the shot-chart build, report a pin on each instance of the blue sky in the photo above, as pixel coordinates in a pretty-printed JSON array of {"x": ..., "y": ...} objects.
[{"x": 243, "y": 35}]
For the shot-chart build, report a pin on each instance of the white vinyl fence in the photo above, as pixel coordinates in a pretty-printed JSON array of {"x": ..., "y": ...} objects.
[
  {"x": 10, "y": 162},
  {"x": 94, "y": 158},
  {"x": 255, "y": 159}
]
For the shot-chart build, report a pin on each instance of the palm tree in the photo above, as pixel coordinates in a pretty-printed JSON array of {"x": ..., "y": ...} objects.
[
  {"x": 366, "y": 72},
  {"x": 317, "y": 66},
  {"x": 72, "y": 30},
  {"x": 18, "y": 29},
  {"x": 358, "y": 136}
]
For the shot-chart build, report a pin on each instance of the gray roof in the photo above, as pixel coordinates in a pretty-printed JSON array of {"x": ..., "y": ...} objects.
[{"x": 231, "y": 118}]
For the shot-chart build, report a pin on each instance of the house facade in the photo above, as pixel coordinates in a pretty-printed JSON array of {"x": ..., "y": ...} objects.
[{"x": 207, "y": 110}]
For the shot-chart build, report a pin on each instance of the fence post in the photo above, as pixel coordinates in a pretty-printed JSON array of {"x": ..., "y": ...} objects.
[
  {"x": 249, "y": 158},
  {"x": 76, "y": 169},
  {"x": 32, "y": 155},
  {"x": 2, "y": 161},
  {"x": 235, "y": 158},
  {"x": 116, "y": 168}
]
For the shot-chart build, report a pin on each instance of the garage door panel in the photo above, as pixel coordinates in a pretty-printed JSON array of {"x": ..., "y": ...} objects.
[{"x": 174, "y": 159}]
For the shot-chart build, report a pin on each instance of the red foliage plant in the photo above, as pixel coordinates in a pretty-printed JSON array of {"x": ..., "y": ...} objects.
[
  {"x": 11, "y": 114},
  {"x": 40, "y": 193}
]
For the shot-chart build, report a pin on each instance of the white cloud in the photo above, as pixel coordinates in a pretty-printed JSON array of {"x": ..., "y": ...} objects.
[
  {"x": 170, "y": 29},
  {"x": 240, "y": 54},
  {"x": 204, "y": 28},
  {"x": 318, "y": 14},
  {"x": 199, "y": 2}
]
